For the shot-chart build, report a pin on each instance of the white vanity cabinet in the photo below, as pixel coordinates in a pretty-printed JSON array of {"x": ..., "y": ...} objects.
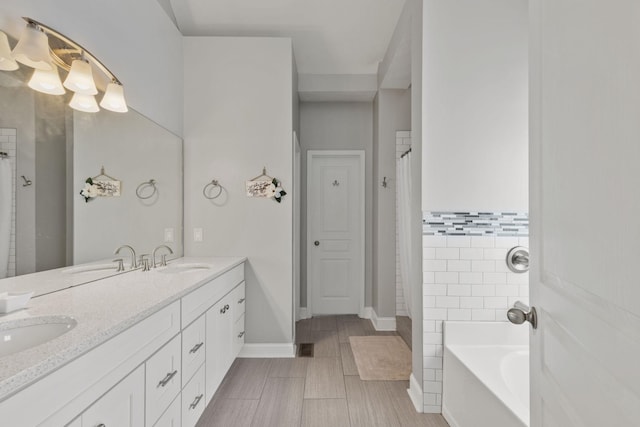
[
  {"x": 122, "y": 406},
  {"x": 161, "y": 371}
]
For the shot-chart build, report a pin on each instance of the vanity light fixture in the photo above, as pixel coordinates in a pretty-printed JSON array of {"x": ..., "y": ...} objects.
[
  {"x": 7, "y": 63},
  {"x": 32, "y": 49},
  {"x": 46, "y": 50},
  {"x": 47, "y": 82}
]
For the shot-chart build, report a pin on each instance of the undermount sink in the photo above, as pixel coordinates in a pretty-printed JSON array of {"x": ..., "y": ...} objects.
[
  {"x": 184, "y": 268},
  {"x": 19, "y": 335},
  {"x": 92, "y": 268}
]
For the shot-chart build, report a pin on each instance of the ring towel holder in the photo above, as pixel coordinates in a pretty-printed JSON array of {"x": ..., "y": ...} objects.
[
  {"x": 210, "y": 187},
  {"x": 140, "y": 190}
]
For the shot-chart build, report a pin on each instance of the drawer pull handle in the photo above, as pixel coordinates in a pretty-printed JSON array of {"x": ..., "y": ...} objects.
[
  {"x": 166, "y": 379},
  {"x": 195, "y": 402},
  {"x": 241, "y": 334},
  {"x": 224, "y": 309},
  {"x": 101, "y": 425},
  {"x": 241, "y": 300},
  {"x": 196, "y": 347}
]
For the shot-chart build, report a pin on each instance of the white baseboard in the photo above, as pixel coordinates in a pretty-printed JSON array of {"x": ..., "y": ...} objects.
[
  {"x": 366, "y": 313},
  {"x": 415, "y": 394},
  {"x": 383, "y": 323},
  {"x": 268, "y": 350},
  {"x": 447, "y": 416},
  {"x": 303, "y": 313}
]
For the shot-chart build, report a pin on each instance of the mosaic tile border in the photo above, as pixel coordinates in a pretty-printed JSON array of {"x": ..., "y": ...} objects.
[{"x": 475, "y": 223}]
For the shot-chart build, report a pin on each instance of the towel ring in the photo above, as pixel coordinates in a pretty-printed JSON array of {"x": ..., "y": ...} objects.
[
  {"x": 150, "y": 183},
  {"x": 212, "y": 184}
]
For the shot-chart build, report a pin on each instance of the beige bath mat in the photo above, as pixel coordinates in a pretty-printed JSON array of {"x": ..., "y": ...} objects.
[{"x": 385, "y": 358}]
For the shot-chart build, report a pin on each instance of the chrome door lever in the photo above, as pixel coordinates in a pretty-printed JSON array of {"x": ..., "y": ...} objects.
[{"x": 521, "y": 313}]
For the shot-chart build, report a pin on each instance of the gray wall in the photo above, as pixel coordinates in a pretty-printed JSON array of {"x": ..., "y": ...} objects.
[
  {"x": 238, "y": 119},
  {"x": 338, "y": 126},
  {"x": 392, "y": 112}
]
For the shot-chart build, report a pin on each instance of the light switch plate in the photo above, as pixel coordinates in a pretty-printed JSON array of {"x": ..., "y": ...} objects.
[
  {"x": 197, "y": 235},
  {"x": 168, "y": 235}
]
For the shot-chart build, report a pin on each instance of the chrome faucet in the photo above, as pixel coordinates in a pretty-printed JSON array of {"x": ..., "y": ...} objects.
[
  {"x": 134, "y": 264},
  {"x": 163, "y": 258}
]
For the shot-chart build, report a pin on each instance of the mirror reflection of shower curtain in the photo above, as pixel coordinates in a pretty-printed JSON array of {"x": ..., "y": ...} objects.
[
  {"x": 6, "y": 176},
  {"x": 404, "y": 227}
]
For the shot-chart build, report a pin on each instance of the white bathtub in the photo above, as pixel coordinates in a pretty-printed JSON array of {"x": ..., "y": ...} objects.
[{"x": 486, "y": 374}]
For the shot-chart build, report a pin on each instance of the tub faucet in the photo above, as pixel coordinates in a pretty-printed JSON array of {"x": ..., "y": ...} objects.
[
  {"x": 163, "y": 257},
  {"x": 134, "y": 264}
]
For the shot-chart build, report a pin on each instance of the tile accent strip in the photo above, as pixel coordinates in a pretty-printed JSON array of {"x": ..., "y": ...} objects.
[{"x": 475, "y": 224}]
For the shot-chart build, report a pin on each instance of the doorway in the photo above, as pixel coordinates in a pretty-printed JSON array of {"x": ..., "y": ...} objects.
[{"x": 335, "y": 231}]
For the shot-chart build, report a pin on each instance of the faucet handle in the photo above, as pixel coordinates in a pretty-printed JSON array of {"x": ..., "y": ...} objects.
[
  {"x": 120, "y": 262},
  {"x": 145, "y": 262}
]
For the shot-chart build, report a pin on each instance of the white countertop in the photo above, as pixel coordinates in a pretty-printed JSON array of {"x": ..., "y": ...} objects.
[{"x": 102, "y": 308}]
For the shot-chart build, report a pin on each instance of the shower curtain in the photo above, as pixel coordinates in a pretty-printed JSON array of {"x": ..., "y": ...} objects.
[
  {"x": 404, "y": 226},
  {"x": 6, "y": 176}
]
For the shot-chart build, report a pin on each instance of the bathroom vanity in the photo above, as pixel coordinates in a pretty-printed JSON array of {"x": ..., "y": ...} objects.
[{"x": 149, "y": 348}]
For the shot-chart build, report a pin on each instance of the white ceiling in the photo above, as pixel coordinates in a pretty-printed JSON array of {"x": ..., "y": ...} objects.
[{"x": 329, "y": 36}]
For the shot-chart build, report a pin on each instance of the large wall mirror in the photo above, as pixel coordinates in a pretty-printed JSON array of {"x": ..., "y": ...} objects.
[{"x": 51, "y": 150}]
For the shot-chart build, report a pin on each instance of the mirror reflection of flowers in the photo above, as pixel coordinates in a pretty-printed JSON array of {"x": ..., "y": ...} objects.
[
  {"x": 278, "y": 191},
  {"x": 89, "y": 191}
]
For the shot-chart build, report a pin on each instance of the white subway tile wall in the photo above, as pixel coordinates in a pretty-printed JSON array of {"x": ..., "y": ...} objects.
[
  {"x": 403, "y": 143},
  {"x": 8, "y": 138},
  {"x": 464, "y": 278}
]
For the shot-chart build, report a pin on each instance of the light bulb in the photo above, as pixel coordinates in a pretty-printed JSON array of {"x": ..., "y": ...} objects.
[
  {"x": 80, "y": 78},
  {"x": 33, "y": 49},
  {"x": 84, "y": 102},
  {"x": 7, "y": 63},
  {"x": 113, "y": 99},
  {"x": 47, "y": 82}
]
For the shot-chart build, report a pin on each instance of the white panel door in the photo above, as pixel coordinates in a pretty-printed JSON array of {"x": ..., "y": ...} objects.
[
  {"x": 585, "y": 208},
  {"x": 335, "y": 240}
]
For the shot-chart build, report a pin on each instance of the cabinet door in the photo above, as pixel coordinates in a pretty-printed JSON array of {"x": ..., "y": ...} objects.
[
  {"x": 121, "y": 406},
  {"x": 163, "y": 379},
  {"x": 219, "y": 344},
  {"x": 172, "y": 416},
  {"x": 193, "y": 399},
  {"x": 238, "y": 336},
  {"x": 193, "y": 348}
]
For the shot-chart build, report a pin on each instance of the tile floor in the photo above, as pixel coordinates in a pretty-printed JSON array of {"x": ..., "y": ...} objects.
[{"x": 321, "y": 391}]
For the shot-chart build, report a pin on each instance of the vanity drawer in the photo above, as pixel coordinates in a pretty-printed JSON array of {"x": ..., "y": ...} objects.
[
  {"x": 193, "y": 349},
  {"x": 163, "y": 379},
  {"x": 172, "y": 416},
  {"x": 239, "y": 301},
  {"x": 238, "y": 336},
  {"x": 201, "y": 299},
  {"x": 193, "y": 400}
]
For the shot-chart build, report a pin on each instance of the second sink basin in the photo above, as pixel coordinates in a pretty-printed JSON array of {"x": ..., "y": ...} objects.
[
  {"x": 19, "y": 335},
  {"x": 184, "y": 268}
]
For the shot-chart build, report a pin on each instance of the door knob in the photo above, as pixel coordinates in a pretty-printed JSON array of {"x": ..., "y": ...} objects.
[
  {"x": 521, "y": 313},
  {"x": 317, "y": 243}
]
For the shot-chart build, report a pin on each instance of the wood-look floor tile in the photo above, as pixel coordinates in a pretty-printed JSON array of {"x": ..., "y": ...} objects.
[
  {"x": 349, "y": 366},
  {"x": 303, "y": 331},
  {"x": 405, "y": 410},
  {"x": 229, "y": 412},
  {"x": 368, "y": 327},
  {"x": 324, "y": 379},
  {"x": 289, "y": 368},
  {"x": 341, "y": 318},
  {"x": 325, "y": 413},
  {"x": 245, "y": 379},
  {"x": 369, "y": 404},
  {"x": 324, "y": 323},
  {"x": 281, "y": 403},
  {"x": 350, "y": 329},
  {"x": 325, "y": 344}
]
